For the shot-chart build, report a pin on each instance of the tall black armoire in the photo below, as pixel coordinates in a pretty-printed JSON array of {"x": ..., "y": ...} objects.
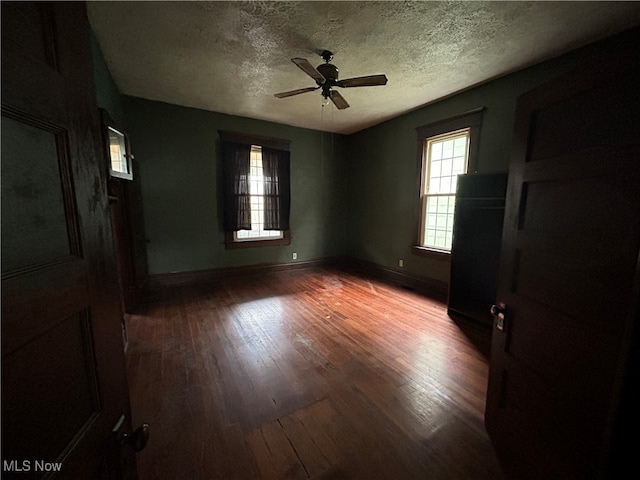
[{"x": 475, "y": 250}]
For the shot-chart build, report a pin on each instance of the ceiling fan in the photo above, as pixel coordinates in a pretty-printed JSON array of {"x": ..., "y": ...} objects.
[{"x": 326, "y": 77}]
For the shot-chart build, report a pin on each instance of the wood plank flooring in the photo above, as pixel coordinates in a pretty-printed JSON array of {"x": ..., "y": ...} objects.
[{"x": 311, "y": 374}]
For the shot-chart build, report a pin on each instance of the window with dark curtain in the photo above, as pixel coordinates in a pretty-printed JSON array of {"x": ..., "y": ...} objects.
[
  {"x": 237, "y": 209},
  {"x": 277, "y": 199},
  {"x": 240, "y": 175}
]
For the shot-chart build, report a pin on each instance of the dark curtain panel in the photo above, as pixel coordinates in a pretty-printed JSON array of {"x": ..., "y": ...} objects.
[
  {"x": 277, "y": 196},
  {"x": 235, "y": 167}
]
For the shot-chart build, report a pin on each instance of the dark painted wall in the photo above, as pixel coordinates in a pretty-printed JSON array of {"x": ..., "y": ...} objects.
[
  {"x": 177, "y": 151},
  {"x": 107, "y": 93}
]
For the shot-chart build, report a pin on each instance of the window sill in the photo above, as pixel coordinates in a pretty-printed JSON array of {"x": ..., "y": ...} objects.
[
  {"x": 430, "y": 253},
  {"x": 231, "y": 244}
]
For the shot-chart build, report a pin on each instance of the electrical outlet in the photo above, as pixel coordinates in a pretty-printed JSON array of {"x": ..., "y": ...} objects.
[
  {"x": 295, "y": 256},
  {"x": 401, "y": 263}
]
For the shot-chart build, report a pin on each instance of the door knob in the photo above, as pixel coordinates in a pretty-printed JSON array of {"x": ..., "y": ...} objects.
[
  {"x": 138, "y": 439},
  {"x": 499, "y": 312}
]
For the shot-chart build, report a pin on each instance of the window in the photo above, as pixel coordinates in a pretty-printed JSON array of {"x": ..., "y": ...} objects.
[
  {"x": 256, "y": 202},
  {"x": 446, "y": 150},
  {"x": 118, "y": 152},
  {"x": 445, "y": 157},
  {"x": 256, "y": 191}
]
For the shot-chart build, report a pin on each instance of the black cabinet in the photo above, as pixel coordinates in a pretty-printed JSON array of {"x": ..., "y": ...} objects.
[{"x": 475, "y": 251}]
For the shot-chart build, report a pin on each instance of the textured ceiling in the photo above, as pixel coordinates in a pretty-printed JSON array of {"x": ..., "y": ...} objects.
[{"x": 231, "y": 57}]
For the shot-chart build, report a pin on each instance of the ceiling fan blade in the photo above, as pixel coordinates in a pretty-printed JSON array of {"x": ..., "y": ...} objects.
[
  {"x": 295, "y": 92},
  {"x": 368, "y": 81},
  {"x": 338, "y": 100},
  {"x": 307, "y": 68}
]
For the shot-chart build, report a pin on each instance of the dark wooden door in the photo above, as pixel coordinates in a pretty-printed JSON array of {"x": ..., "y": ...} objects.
[
  {"x": 63, "y": 373},
  {"x": 568, "y": 272}
]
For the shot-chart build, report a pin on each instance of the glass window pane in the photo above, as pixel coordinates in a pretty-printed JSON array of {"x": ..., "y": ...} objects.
[
  {"x": 447, "y": 166},
  {"x": 435, "y": 169},
  {"x": 436, "y": 151},
  {"x": 434, "y": 185},
  {"x": 445, "y": 185},
  {"x": 447, "y": 149},
  {"x": 431, "y": 238},
  {"x": 460, "y": 146},
  {"x": 459, "y": 165}
]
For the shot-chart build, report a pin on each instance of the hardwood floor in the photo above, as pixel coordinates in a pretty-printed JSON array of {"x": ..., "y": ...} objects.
[{"x": 315, "y": 373}]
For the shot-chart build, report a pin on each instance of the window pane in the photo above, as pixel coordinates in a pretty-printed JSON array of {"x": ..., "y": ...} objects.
[
  {"x": 432, "y": 205},
  {"x": 459, "y": 165},
  {"x": 445, "y": 185},
  {"x": 435, "y": 168},
  {"x": 447, "y": 149},
  {"x": 434, "y": 185},
  {"x": 438, "y": 224},
  {"x": 460, "y": 146},
  {"x": 447, "y": 166},
  {"x": 436, "y": 151}
]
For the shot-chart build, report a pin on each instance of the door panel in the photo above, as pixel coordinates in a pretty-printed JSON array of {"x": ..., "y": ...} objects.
[
  {"x": 63, "y": 376},
  {"x": 35, "y": 222},
  {"x": 29, "y": 298},
  {"x": 568, "y": 272},
  {"x": 69, "y": 380}
]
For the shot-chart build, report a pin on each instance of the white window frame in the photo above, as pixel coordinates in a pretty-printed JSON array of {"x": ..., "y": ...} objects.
[{"x": 433, "y": 221}]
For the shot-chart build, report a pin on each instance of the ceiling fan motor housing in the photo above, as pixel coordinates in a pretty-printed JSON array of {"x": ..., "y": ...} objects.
[{"x": 328, "y": 71}]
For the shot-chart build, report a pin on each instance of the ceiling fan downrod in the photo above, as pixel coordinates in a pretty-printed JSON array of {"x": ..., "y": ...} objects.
[{"x": 327, "y": 56}]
